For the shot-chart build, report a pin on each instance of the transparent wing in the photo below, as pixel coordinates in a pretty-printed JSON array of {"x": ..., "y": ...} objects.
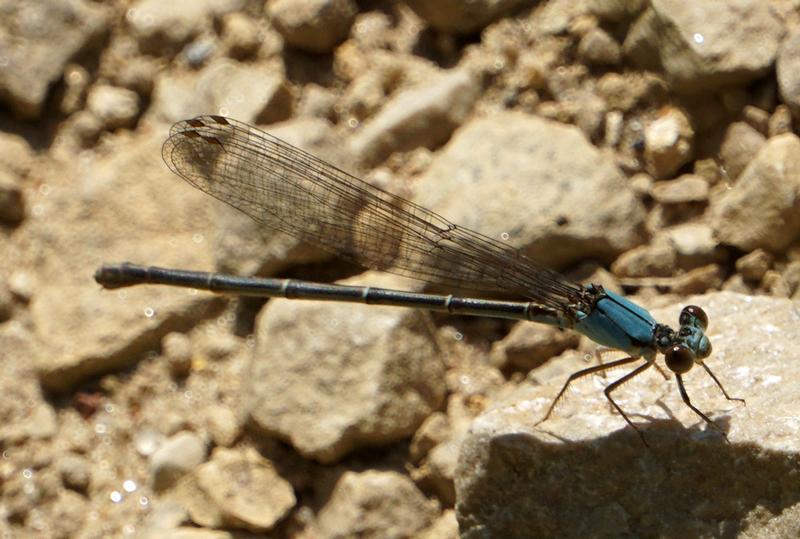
[{"x": 290, "y": 190}]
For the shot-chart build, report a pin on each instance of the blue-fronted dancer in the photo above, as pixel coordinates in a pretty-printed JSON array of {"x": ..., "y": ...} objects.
[{"x": 291, "y": 191}]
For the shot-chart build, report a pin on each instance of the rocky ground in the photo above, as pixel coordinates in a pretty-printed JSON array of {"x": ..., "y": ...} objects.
[{"x": 648, "y": 145}]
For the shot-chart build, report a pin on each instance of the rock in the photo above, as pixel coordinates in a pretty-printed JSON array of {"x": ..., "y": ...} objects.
[
  {"x": 374, "y": 504},
  {"x": 756, "y": 118},
  {"x": 163, "y": 27},
  {"x": 457, "y": 17},
  {"x": 787, "y": 69},
  {"x": 331, "y": 377},
  {"x": 240, "y": 35},
  {"x": 608, "y": 474},
  {"x": 246, "y": 92},
  {"x": 687, "y": 188},
  {"x": 445, "y": 527},
  {"x": 68, "y": 513},
  {"x": 159, "y": 221},
  {"x": 780, "y": 122},
  {"x": 177, "y": 348},
  {"x": 433, "y": 431},
  {"x": 176, "y": 457},
  {"x": 533, "y": 182},
  {"x": 657, "y": 259},
  {"x": 530, "y": 345},
  {"x": 668, "y": 142},
  {"x": 598, "y": 48},
  {"x": 38, "y": 40},
  {"x": 694, "y": 244},
  {"x": 313, "y": 25},
  {"x": 754, "y": 265},
  {"x": 223, "y": 425},
  {"x": 702, "y": 48},
  {"x": 12, "y": 203},
  {"x": 236, "y": 489},
  {"x": 739, "y": 147},
  {"x": 762, "y": 209},
  {"x": 626, "y": 91},
  {"x": 698, "y": 280},
  {"x": 115, "y": 107},
  {"x": 425, "y": 115},
  {"x": 76, "y": 472},
  {"x": 616, "y": 10}
]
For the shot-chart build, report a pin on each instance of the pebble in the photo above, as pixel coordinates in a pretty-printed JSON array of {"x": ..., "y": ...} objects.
[
  {"x": 177, "y": 348},
  {"x": 739, "y": 146},
  {"x": 598, "y": 48},
  {"x": 685, "y": 189},
  {"x": 176, "y": 457},
  {"x": 668, "y": 142},
  {"x": 12, "y": 201},
  {"x": 754, "y": 265},
  {"x": 313, "y": 25},
  {"x": 115, "y": 107}
]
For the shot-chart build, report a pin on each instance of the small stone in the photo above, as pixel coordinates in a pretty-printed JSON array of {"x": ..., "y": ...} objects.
[
  {"x": 616, "y": 10},
  {"x": 757, "y": 118},
  {"x": 740, "y": 145},
  {"x": 791, "y": 275},
  {"x": 668, "y": 142},
  {"x": 657, "y": 260},
  {"x": 754, "y": 265},
  {"x": 781, "y": 121},
  {"x": 708, "y": 169},
  {"x": 240, "y": 35},
  {"x": 530, "y": 345},
  {"x": 178, "y": 350},
  {"x": 694, "y": 244},
  {"x": 687, "y": 188},
  {"x": 374, "y": 504},
  {"x": 736, "y": 283},
  {"x": 317, "y": 101},
  {"x": 458, "y": 17},
  {"x": 762, "y": 209},
  {"x": 642, "y": 184},
  {"x": 76, "y": 81},
  {"x": 699, "y": 280},
  {"x": 12, "y": 203},
  {"x": 115, "y": 107},
  {"x": 433, "y": 431},
  {"x": 6, "y": 303},
  {"x": 313, "y": 25},
  {"x": 176, "y": 457},
  {"x": 598, "y": 48},
  {"x": 223, "y": 425},
  {"x": 76, "y": 472},
  {"x": 775, "y": 285},
  {"x": 787, "y": 70},
  {"x": 615, "y": 123}
]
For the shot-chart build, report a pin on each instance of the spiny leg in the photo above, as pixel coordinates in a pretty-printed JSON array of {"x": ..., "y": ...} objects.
[
  {"x": 580, "y": 374},
  {"x": 685, "y": 397},
  {"x": 634, "y": 373},
  {"x": 719, "y": 385}
]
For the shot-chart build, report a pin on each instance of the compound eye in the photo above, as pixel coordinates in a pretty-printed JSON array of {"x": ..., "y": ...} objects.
[
  {"x": 679, "y": 358},
  {"x": 693, "y": 311}
]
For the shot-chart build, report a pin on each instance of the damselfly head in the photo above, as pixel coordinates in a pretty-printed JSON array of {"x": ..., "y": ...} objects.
[{"x": 692, "y": 315}]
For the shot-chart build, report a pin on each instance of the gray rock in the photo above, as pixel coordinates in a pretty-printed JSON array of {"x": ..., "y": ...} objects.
[
  {"x": 115, "y": 107},
  {"x": 425, "y": 115},
  {"x": 313, "y": 25},
  {"x": 704, "y": 47},
  {"x": 668, "y": 142},
  {"x": 460, "y": 17},
  {"x": 536, "y": 183},
  {"x": 787, "y": 69},
  {"x": 37, "y": 41},
  {"x": 740, "y": 145},
  {"x": 597, "y": 47},
  {"x": 530, "y": 345},
  {"x": 332, "y": 377},
  {"x": 687, "y": 188},
  {"x": 374, "y": 505},
  {"x": 763, "y": 209},
  {"x": 590, "y": 453},
  {"x": 159, "y": 220},
  {"x": 236, "y": 489},
  {"x": 176, "y": 457},
  {"x": 247, "y": 92},
  {"x": 160, "y": 26}
]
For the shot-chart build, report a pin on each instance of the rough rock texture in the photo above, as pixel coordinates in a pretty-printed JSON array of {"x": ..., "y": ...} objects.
[
  {"x": 526, "y": 174},
  {"x": 763, "y": 208},
  {"x": 461, "y": 17},
  {"x": 361, "y": 376},
  {"x": 313, "y": 25},
  {"x": 584, "y": 472},
  {"x": 705, "y": 46},
  {"x": 37, "y": 40}
]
